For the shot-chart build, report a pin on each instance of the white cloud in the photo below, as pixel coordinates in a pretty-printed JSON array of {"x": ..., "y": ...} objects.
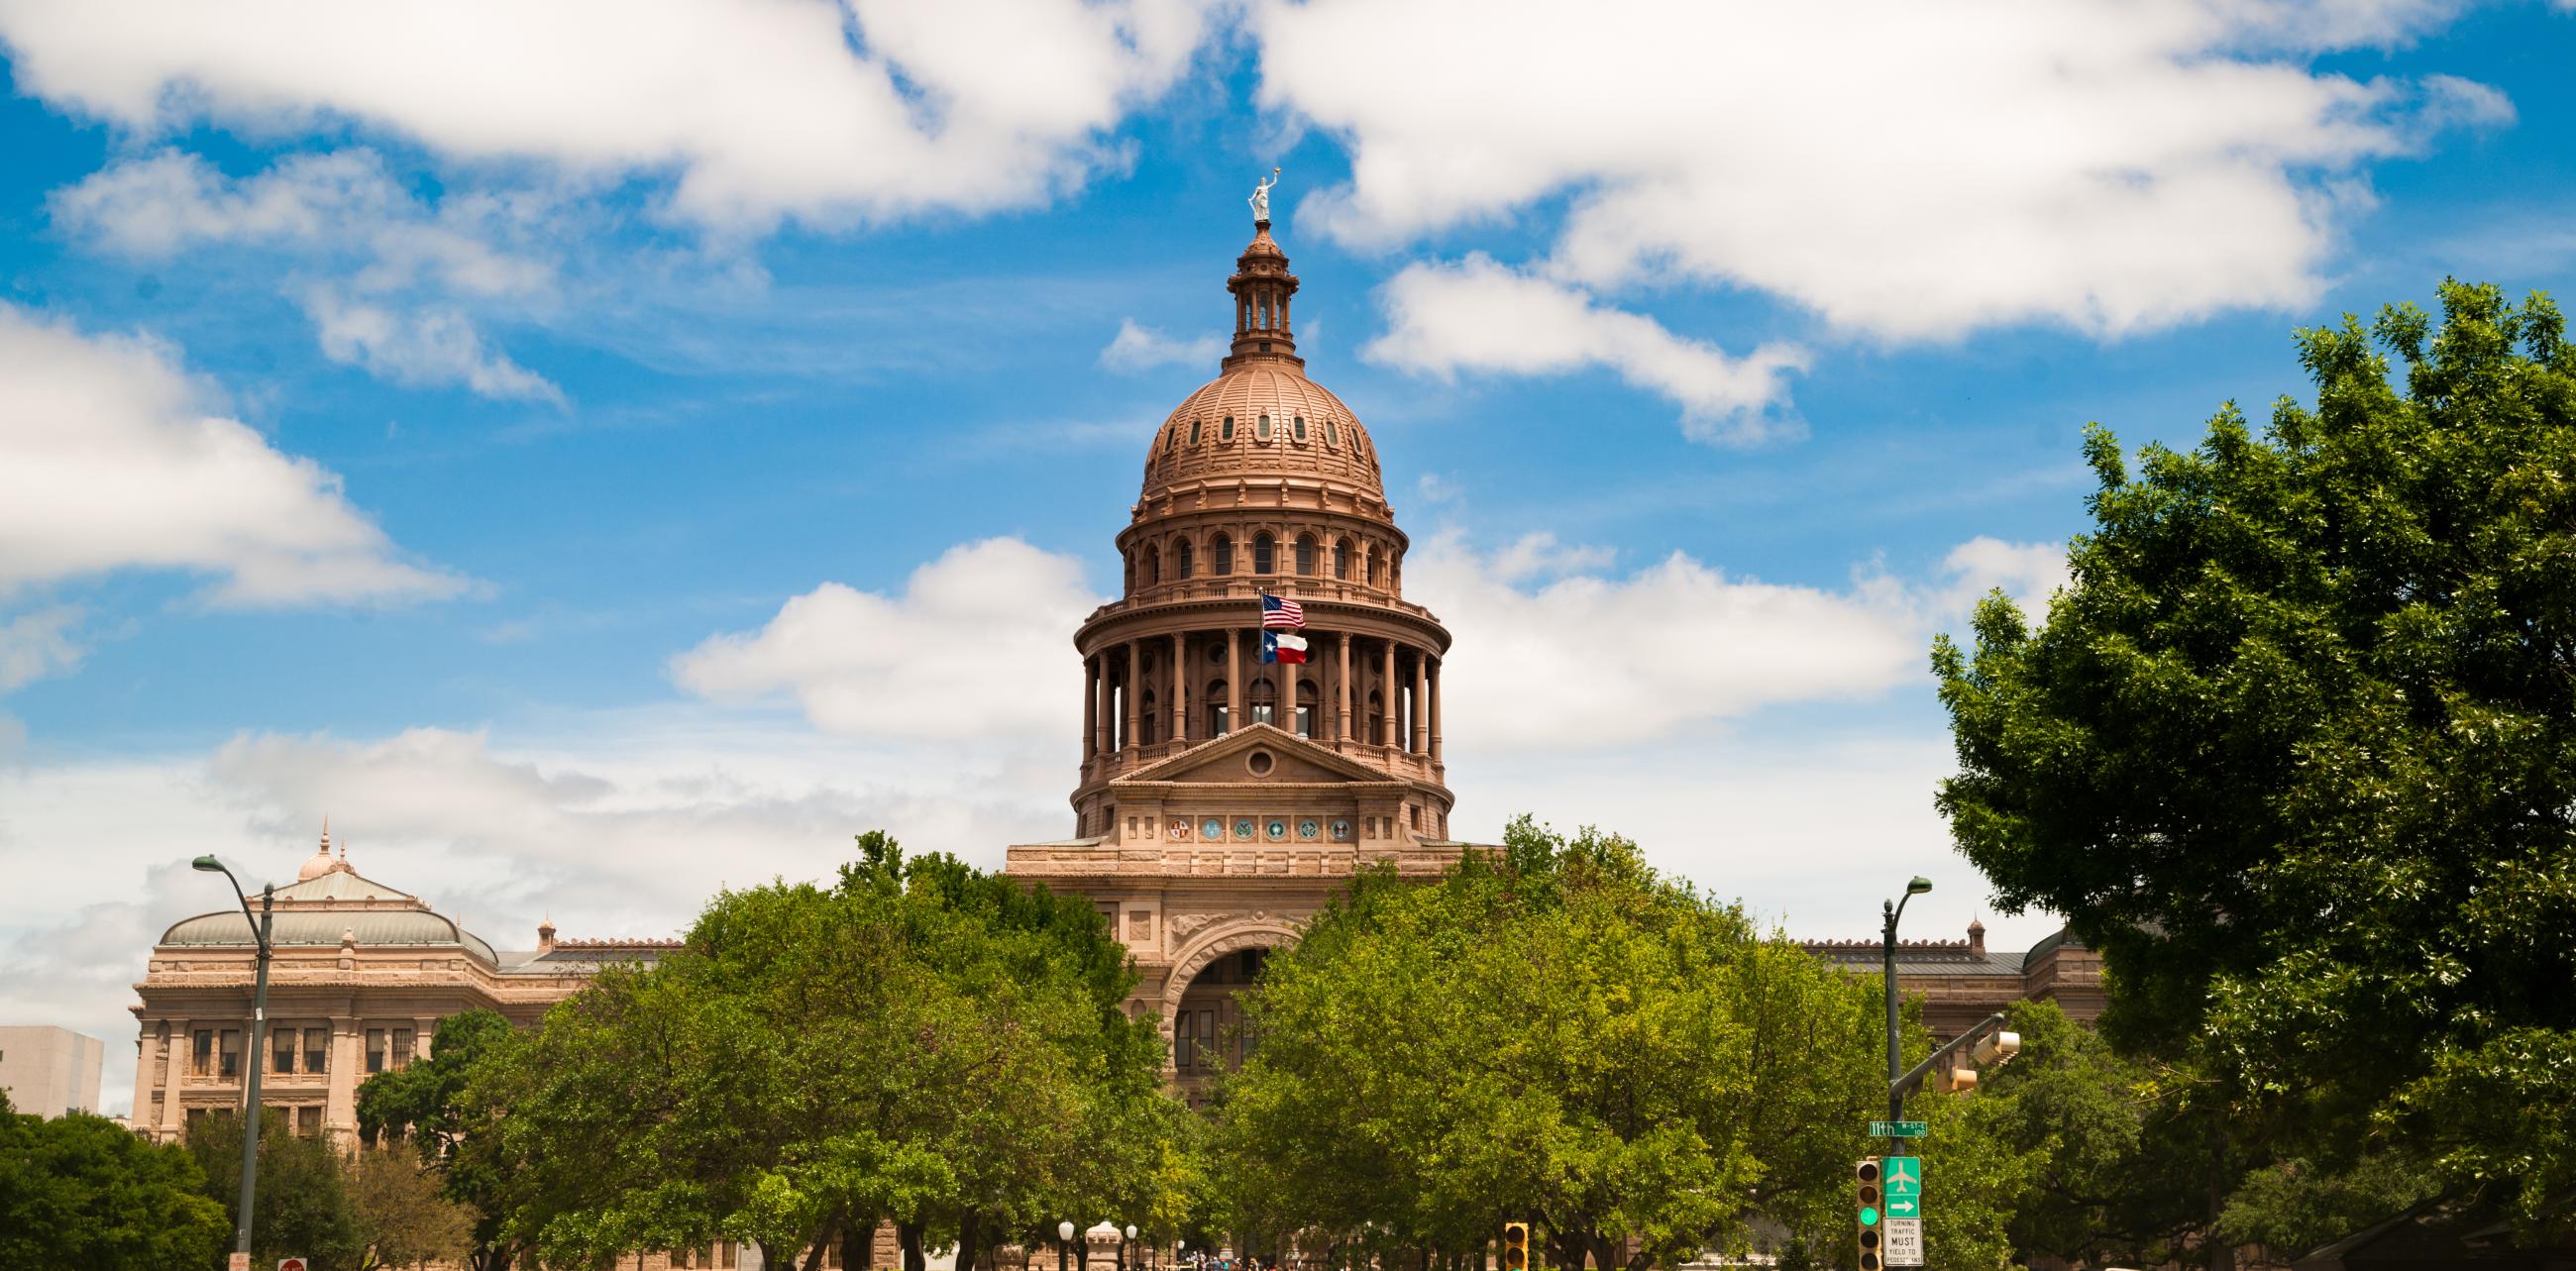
[
  {"x": 2028, "y": 572},
  {"x": 786, "y": 108},
  {"x": 1144, "y": 348},
  {"x": 1478, "y": 315},
  {"x": 976, "y": 646},
  {"x": 1906, "y": 171},
  {"x": 420, "y": 347},
  {"x": 407, "y": 268},
  {"x": 624, "y": 832},
  {"x": 109, "y": 459},
  {"x": 35, "y": 645}
]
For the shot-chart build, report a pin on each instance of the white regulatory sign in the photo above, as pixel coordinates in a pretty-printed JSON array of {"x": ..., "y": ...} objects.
[{"x": 1904, "y": 1242}]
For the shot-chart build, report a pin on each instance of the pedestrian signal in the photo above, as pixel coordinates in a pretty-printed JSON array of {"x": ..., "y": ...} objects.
[
  {"x": 1515, "y": 1246},
  {"x": 1867, "y": 1198}
]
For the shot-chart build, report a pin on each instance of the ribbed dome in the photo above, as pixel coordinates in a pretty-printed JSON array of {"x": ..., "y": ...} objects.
[
  {"x": 1282, "y": 425},
  {"x": 401, "y": 927}
]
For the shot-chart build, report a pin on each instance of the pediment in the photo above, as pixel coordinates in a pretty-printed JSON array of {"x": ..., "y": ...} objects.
[{"x": 1236, "y": 759}]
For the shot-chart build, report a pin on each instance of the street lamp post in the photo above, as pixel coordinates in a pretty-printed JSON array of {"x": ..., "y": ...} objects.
[
  {"x": 1126, "y": 1242},
  {"x": 258, "y": 1047},
  {"x": 1895, "y": 909},
  {"x": 1063, "y": 1240}
]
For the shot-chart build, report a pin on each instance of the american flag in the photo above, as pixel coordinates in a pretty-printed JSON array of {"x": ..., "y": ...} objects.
[{"x": 1282, "y": 614}]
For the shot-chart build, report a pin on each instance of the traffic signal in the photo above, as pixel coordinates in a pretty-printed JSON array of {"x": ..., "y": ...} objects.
[
  {"x": 1515, "y": 1246},
  {"x": 1993, "y": 1050},
  {"x": 1962, "y": 1079},
  {"x": 1866, "y": 1176}
]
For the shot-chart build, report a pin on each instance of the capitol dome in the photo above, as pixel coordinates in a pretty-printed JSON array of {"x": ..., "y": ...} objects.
[{"x": 1261, "y": 418}]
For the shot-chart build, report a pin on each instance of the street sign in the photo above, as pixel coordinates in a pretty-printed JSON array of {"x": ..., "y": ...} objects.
[
  {"x": 290, "y": 1264},
  {"x": 1904, "y": 1187},
  {"x": 237, "y": 1262},
  {"x": 1904, "y": 1242},
  {"x": 1896, "y": 1129}
]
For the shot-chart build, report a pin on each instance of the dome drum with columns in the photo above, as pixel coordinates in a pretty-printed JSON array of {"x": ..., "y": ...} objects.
[{"x": 1221, "y": 801}]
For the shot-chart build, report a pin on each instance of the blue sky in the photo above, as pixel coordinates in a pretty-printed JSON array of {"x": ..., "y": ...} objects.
[{"x": 650, "y": 446}]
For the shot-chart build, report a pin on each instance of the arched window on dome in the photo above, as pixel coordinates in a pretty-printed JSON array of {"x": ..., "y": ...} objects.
[
  {"x": 1297, "y": 429},
  {"x": 1262, "y": 552},
  {"x": 1331, "y": 438},
  {"x": 1145, "y": 722},
  {"x": 1261, "y": 703},
  {"x": 1261, "y": 430},
  {"x": 1342, "y": 560},
  {"x": 1194, "y": 432},
  {"x": 1216, "y": 710},
  {"x": 1226, "y": 432},
  {"x": 1181, "y": 559},
  {"x": 1376, "y": 567},
  {"x": 1172, "y": 440},
  {"x": 1153, "y": 566},
  {"x": 1221, "y": 555},
  {"x": 1306, "y": 555},
  {"x": 1395, "y": 572}
]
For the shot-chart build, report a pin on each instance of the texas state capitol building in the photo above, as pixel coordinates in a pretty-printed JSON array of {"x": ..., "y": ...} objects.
[{"x": 1221, "y": 802}]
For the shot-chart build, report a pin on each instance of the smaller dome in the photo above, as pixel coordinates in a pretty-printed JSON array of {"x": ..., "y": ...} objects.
[{"x": 317, "y": 866}]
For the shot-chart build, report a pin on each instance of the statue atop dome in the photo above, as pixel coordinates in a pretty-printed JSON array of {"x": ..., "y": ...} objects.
[{"x": 1260, "y": 199}]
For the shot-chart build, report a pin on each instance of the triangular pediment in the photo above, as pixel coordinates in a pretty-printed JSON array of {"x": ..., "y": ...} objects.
[{"x": 1237, "y": 759}]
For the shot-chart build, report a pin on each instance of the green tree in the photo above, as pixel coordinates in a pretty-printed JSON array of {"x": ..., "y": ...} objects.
[
  {"x": 1558, "y": 1033},
  {"x": 303, "y": 1207},
  {"x": 83, "y": 1193},
  {"x": 403, "y": 1218},
  {"x": 427, "y": 1103},
  {"x": 2297, "y": 752},
  {"x": 921, "y": 1044}
]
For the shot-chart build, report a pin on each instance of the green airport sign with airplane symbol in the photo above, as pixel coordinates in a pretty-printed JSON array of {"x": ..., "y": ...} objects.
[{"x": 1903, "y": 1187}]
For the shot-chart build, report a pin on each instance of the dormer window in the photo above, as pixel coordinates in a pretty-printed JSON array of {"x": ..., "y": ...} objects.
[
  {"x": 1194, "y": 432},
  {"x": 1261, "y": 430},
  {"x": 1226, "y": 433},
  {"x": 1297, "y": 429},
  {"x": 1330, "y": 437}
]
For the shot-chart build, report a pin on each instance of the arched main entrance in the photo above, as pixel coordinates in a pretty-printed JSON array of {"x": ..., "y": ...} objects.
[{"x": 1201, "y": 1011}]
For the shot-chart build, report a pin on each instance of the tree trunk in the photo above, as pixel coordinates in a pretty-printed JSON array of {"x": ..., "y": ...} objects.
[
  {"x": 858, "y": 1244},
  {"x": 815, "y": 1249},
  {"x": 908, "y": 1234},
  {"x": 2222, "y": 1255},
  {"x": 970, "y": 1240}
]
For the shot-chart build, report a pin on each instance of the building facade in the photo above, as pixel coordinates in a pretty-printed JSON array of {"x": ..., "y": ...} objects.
[
  {"x": 49, "y": 1071},
  {"x": 360, "y": 976}
]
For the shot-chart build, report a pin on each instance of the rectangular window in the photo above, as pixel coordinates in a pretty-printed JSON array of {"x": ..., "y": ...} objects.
[
  {"x": 375, "y": 1050},
  {"x": 317, "y": 1050},
  {"x": 281, "y": 1050},
  {"x": 1261, "y": 714},
  {"x": 1181, "y": 1042},
  {"x": 1207, "y": 1039},
  {"x": 402, "y": 1049},
  {"x": 1305, "y": 721},
  {"x": 202, "y": 1059},
  {"x": 308, "y": 1120},
  {"x": 1216, "y": 721},
  {"x": 228, "y": 1053}
]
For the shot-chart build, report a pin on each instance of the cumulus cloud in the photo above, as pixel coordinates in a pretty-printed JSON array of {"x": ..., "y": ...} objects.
[
  {"x": 975, "y": 646},
  {"x": 1138, "y": 348},
  {"x": 111, "y": 458},
  {"x": 404, "y": 270},
  {"x": 801, "y": 108},
  {"x": 2028, "y": 572},
  {"x": 1478, "y": 315},
  {"x": 1907, "y": 172}
]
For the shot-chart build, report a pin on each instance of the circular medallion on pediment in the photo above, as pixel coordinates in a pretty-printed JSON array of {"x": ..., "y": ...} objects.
[
  {"x": 1243, "y": 828},
  {"x": 1212, "y": 829},
  {"x": 1278, "y": 828},
  {"x": 1308, "y": 828},
  {"x": 1179, "y": 828},
  {"x": 1341, "y": 830}
]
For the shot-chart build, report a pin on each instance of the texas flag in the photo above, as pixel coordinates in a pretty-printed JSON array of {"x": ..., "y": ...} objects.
[{"x": 1282, "y": 646}]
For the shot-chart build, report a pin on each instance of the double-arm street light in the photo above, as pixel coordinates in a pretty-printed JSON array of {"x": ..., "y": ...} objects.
[
  {"x": 1895, "y": 909},
  {"x": 258, "y": 1047}
]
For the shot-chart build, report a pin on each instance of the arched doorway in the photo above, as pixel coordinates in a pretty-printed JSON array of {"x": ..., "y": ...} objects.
[{"x": 1202, "y": 1014}]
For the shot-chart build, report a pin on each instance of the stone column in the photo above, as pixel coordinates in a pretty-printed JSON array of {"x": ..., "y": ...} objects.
[
  {"x": 1105, "y": 709},
  {"x": 1387, "y": 735},
  {"x": 1422, "y": 701},
  {"x": 1342, "y": 681},
  {"x": 1128, "y": 686},
  {"x": 1090, "y": 708},
  {"x": 174, "y": 1070},
  {"x": 1435, "y": 712},
  {"x": 1233, "y": 678},
  {"x": 1180, "y": 688},
  {"x": 340, "y": 1106},
  {"x": 423, "y": 1028}
]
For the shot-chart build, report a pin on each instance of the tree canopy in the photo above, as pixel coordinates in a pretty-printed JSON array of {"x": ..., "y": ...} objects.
[
  {"x": 1557, "y": 1033},
  {"x": 2296, "y": 750},
  {"x": 82, "y": 1192},
  {"x": 921, "y": 1043}
]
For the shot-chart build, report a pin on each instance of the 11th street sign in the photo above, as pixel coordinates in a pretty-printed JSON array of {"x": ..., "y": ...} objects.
[{"x": 1896, "y": 1129}]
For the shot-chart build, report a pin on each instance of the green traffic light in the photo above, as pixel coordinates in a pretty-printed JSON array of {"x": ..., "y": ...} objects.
[{"x": 1869, "y": 1215}]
